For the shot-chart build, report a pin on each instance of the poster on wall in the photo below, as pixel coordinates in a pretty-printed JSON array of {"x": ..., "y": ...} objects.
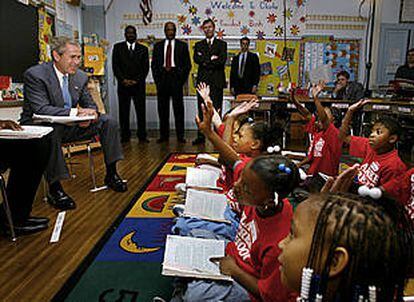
[
  {"x": 407, "y": 11},
  {"x": 259, "y": 19},
  {"x": 94, "y": 60},
  {"x": 46, "y": 28},
  {"x": 326, "y": 55}
]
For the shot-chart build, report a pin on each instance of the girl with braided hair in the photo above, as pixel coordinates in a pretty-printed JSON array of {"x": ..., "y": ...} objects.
[
  {"x": 356, "y": 249},
  {"x": 251, "y": 259}
]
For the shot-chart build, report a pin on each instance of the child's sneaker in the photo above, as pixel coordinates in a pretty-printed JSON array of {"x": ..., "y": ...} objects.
[{"x": 178, "y": 210}]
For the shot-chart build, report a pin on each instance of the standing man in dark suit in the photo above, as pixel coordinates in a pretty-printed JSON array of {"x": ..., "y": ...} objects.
[
  {"x": 245, "y": 70},
  {"x": 210, "y": 54},
  {"x": 170, "y": 67},
  {"x": 130, "y": 64},
  {"x": 58, "y": 88}
]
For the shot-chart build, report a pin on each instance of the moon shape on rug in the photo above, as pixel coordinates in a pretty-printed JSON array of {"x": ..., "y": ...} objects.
[{"x": 130, "y": 246}]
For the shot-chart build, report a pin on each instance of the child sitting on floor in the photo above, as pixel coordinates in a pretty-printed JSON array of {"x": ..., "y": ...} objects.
[
  {"x": 381, "y": 162},
  {"x": 251, "y": 260},
  {"x": 344, "y": 248},
  {"x": 325, "y": 148}
]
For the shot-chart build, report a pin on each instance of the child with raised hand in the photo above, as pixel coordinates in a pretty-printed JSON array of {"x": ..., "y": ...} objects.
[
  {"x": 344, "y": 248},
  {"x": 251, "y": 260},
  {"x": 325, "y": 149},
  {"x": 381, "y": 162}
]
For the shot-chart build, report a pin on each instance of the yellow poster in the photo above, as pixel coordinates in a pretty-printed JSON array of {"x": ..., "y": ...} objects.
[
  {"x": 45, "y": 34},
  {"x": 94, "y": 60}
]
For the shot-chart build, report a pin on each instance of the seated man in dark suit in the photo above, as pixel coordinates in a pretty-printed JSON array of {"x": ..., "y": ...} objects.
[
  {"x": 407, "y": 71},
  {"x": 60, "y": 89},
  {"x": 351, "y": 91},
  {"x": 245, "y": 70},
  {"x": 27, "y": 159}
]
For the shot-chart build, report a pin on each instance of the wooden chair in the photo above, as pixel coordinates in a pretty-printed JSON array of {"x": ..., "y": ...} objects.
[{"x": 6, "y": 206}]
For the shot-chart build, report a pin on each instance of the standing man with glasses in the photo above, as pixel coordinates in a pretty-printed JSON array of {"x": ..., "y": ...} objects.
[
  {"x": 170, "y": 67},
  {"x": 245, "y": 70},
  {"x": 130, "y": 64},
  {"x": 210, "y": 54}
]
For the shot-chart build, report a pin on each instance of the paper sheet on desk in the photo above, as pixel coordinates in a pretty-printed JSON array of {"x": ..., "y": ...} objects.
[
  {"x": 205, "y": 205},
  {"x": 28, "y": 132},
  {"x": 62, "y": 119},
  {"x": 190, "y": 257}
]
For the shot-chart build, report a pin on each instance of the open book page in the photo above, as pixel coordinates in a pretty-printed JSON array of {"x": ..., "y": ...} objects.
[
  {"x": 62, "y": 119},
  {"x": 207, "y": 156},
  {"x": 28, "y": 132},
  {"x": 205, "y": 205},
  {"x": 190, "y": 257},
  {"x": 201, "y": 178}
]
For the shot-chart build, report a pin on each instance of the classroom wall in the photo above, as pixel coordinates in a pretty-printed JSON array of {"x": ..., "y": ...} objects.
[{"x": 114, "y": 18}]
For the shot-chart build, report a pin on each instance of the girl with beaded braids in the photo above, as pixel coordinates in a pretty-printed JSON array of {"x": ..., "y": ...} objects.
[
  {"x": 251, "y": 259},
  {"x": 356, "y": 249}
]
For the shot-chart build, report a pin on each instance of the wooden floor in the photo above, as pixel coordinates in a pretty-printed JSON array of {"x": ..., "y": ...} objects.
[{"x": 32, "y": 269}]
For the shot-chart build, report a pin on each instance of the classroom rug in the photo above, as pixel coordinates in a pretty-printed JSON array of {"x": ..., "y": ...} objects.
[{"x": 125, "y": 265}]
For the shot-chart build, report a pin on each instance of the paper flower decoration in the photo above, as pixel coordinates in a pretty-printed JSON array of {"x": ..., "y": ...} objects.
[
  {"x": 278, "y": 31},
  {"x": 230, "y": 14},
  {"x": 181, "y": 19},
  {"x": 260, "y": 35},
  {"x": 288, "y": 13},
  {"x": 193, "y": 10},
  {"x": 196, "y": 20},
  {"x": 294, "y": 30},
  {"x": 251, "y": 14},
  {"x": 186, "y": 29},
  {"x": 244, "y": 30},
  {"x": 208, "y": 11},
  {"x": 220, "y": 33},
  {"x": 271, "y": 18}
]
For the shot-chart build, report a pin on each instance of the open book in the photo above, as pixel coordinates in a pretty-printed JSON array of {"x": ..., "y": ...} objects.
[
  {"x": 67, "y": 119},
  {"x": 202, "y": 178},
  {"x": 205, "y": 205},
  {"x": 190, "y": 257},
  {"x": 28, "y": 132}
]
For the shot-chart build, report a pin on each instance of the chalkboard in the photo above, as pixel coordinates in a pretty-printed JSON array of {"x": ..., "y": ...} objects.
[{"x": 18, "y": 38}]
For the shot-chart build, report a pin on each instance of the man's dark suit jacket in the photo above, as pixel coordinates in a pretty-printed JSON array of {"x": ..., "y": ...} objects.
[
  {"x": 251, "y": 74},
  {"x": 211, "y": 71},
  {"x": 43, "y": 94},
  {"x": 181, "y": 60},
  {"x": 129, "y": 67}
]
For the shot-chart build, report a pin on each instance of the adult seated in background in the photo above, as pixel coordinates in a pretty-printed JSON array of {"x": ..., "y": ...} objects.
[
  {"x": 27, "y": 161},
  {"x": 245, "y": 70},
  {"x": 351, "y": 91},
  {"x": 407, "y": 71},
  {"x": 58, "y": 88}
]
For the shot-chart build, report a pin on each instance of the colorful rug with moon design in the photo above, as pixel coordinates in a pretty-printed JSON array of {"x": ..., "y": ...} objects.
[{"x": 127, "y": 266}]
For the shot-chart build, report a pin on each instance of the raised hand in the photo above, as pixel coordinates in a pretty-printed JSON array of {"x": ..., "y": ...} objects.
[
  {"x": 316, "y": 89},
  {"x": 343, "y": 182},
  {"x": 205, "y": 125},
  {"x": 244, "y": 108},
  {"x": 358, "y": 105},
  {"x": 203, "y": 90}
]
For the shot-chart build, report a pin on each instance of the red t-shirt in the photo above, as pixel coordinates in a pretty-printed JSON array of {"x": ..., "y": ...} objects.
[
  {"x": 255, "y": 250},
  {"x": 402, "y": 189},
  {"x": 232, "y": 175},
  {"x": 325, "y": 149},
  {"x": 376, "y": 169},
  {"x": 220, "y": 130}
]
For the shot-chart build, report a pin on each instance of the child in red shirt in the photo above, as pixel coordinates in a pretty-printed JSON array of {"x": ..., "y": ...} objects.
[
  {"x": 325, "y": 148},
  {"x": 381, "y": 162},
  {"x": 251, "y": 259},
  {"x": 401, "y": 188},
  {"x": 345, "y": 248}
]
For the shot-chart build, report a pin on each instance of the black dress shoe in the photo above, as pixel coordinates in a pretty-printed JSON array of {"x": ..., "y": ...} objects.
[
  {"x": 199, "y": 141},
  {"x": 60, "y": 200},
  {"x": 115, "y": 183},
  {"x": 37, "y": 220},
  {"x": 162, "y": 140},
  {"x": 27, "y": 228}
]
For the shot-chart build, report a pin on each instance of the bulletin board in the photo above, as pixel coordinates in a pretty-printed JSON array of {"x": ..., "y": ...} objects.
[{"x": 339, "y": 54}]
